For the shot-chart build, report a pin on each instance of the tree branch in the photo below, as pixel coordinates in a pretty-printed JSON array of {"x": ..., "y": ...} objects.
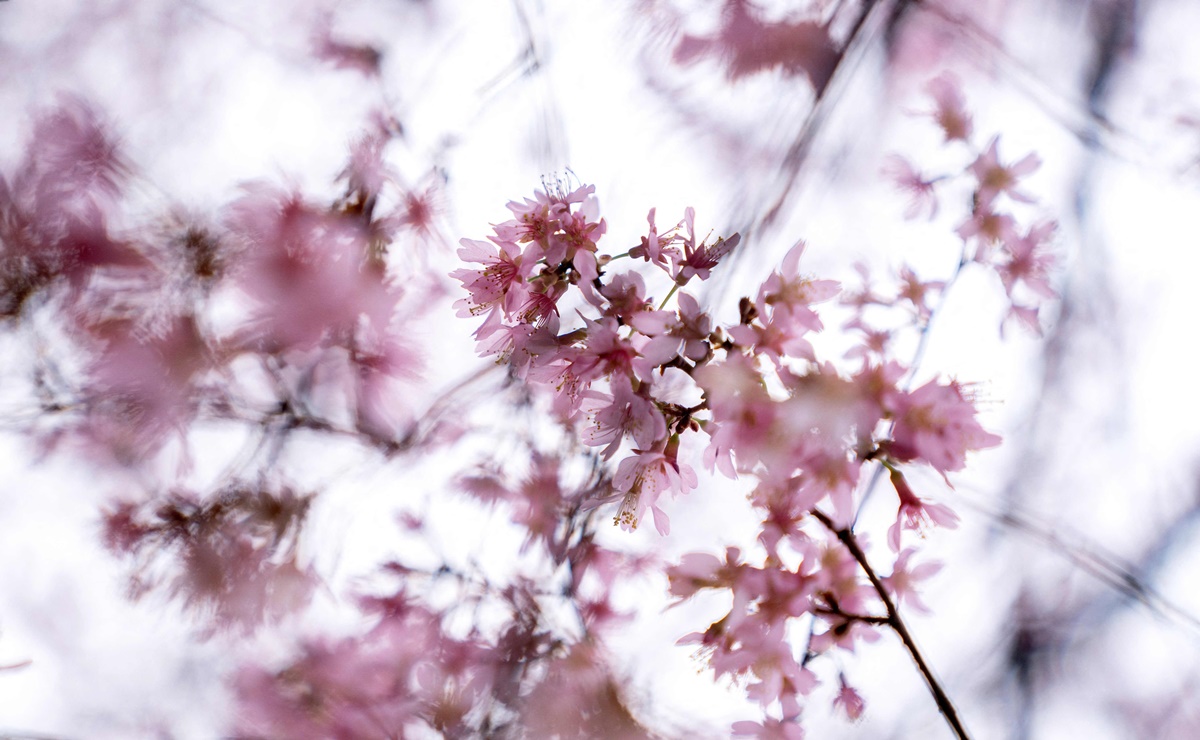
[{"x": 897, "y": 624}]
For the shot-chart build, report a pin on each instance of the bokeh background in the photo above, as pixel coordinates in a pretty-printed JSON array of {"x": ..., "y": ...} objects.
[{"x": 1067, "y": 606}]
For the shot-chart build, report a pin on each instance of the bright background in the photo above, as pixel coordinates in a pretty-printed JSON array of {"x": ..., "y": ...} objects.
[{"x": 1032, "y": 630}]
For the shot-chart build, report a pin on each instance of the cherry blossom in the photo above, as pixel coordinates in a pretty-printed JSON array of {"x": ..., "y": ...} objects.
[
  {"x": 904, "y": 578},
  {"x": 643, "y": 479},
  {"x": 297, "y": 323},
  {"x": 995, "y": 178},
  {"x": 849, "y": 701},
  {"x": 923, "y": 196},
  {"x": 988, "y": 228},
  {"x": 936, "y": 424},
  {"x": 612, "y": 417},
  {"x": 655, "y": 247},
  {"x": 748, "y": 44},
  {"x": 493, "y": 286},
  {"x": 294, "y": 251},
  {"x": 698, "y": 260},
  {"x": 950, "y": 114},
  {"x": 1028, "y": 262},
  {"x": 914, "y": 513},
  {"x": 770, "y": 408},
  {"x": 684, "y": 332}
]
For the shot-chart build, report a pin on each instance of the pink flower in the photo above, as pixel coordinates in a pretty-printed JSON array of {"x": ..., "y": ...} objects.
[
  {"x": 777, "y": 337},
  {"x": 236, "y": 550},
  {"x": 521, "y": 345},
  {"x": 419, "y": 210},
  {"x": 936, "y": 423},
  {"x": 742, "y": 409},
  {"x": 626, "y": 296},
  {"x": 988, "y": 228},
  {"x": 380, "y": 408},
  {"x": 783, "y": 312},
  {"x": 397, "y": 674},
  {"x": 786, "y": 289},
  {"x": 835, "y": 577},
  {"x": 828, "y": 472},
  {"x": 536, "y": 220},
  {"x": 749, "y": 44},
  {"x": 361, "y": 58},
  {"x": 875, "y": 343},
  {"x": 908, "y": 180},
  {"x": 643, "y": 478},
  {"x": 606, "y": 352},
  {"x": 841, "y": 411},
  {"x": 1028, "y": 263},
  {"x": 367, "y": 171},
  {"x": 295, "y": 251},
  {"x": 538, "y": 503},
  {"x": 143, "y": 385},
  {"x": 550, "y": 228},
  {"x": 904, "y": 579},
  {"x": 951, "y": 113},
  {"x": 914, "y": 290},
  {"x": 656, "y": 247},
  {"x": 784, "y": 517},
  {"x": 1026, "y": 316},
  {"x": 540, "y": 304},
  {"x": 684, "y": 332},
  {"x": 489, "y": 287},
  {"x": 584, "y": 227},
  {"x": 698, "y": 261},
  {"x": 611, "y": 418},
  {"x": 769, "y": 729},
  {"x": 700, "y": 570},
  {"x": 916, "y": 514},
  {"x": 995, "y": 178},
  {"x": 780, "y": 676},
  {"x": 55, "y": 209},
  {"x": 578, "y": 697},
  {"x": 849, "y": 701},
  {"x": 864, "y": 296}
]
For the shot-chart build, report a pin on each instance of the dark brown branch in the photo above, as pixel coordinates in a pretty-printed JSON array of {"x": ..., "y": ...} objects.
[
  {"x": 865, "y": 618},
  {"x": 897, "y": 624}
]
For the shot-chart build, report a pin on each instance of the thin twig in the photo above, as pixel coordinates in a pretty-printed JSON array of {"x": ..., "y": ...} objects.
[
  {"x": 913, "y": 367},
  {"x": 897, "y": 624},
  {"x": 923, "y": 341}
]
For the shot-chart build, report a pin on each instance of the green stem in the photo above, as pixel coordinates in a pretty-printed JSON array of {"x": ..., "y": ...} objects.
[{"x": 674, "y": 288}]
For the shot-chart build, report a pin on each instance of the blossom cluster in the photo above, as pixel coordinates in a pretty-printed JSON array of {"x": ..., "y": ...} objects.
[
  {"x": 410, "y": 674},
  {"x": 279, "y": 316},
  {"x": 992, "y": 235},
  {"x": 275, "y": 325},
  {"x": 768, "y": 408},
  {"x": 511, "y": 671},
  {"x": 236, "y": 551},
  {"x": 763, "y": 403},
  {"x": 629, "y": 360}
]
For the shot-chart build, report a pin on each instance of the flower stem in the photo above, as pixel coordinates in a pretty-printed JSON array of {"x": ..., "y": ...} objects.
[
  {"x": 674, "y": 288},
  {"x": 897, "y": 624}
]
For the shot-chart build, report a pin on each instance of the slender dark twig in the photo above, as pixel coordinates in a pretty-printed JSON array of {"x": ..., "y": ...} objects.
[
  {"x": 897, "y": 624},
  {"x": 914, "y": 366}
]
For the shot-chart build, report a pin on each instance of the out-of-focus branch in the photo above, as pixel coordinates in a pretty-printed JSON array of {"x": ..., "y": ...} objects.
[{"x": 1090, "y": 558}]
